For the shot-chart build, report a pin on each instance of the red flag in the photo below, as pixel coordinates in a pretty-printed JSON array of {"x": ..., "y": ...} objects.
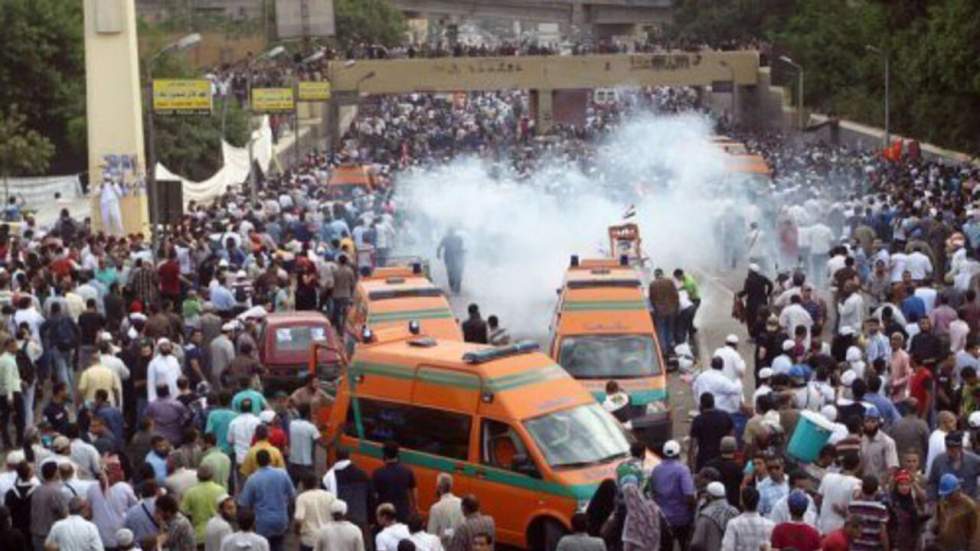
[{"x": 894, "y": 151}]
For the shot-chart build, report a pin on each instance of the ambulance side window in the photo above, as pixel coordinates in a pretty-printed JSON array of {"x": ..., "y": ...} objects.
[
  {"x": 426, "y": 430},
  {"x": 501, "y": 447}
]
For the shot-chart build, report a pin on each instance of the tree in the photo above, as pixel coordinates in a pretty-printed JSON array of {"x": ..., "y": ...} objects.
[
  {"x": 190, "y": 145},
  {"x": 931, "y": 45},
  {"x": 368, "y": 21},
  {"x": 23, "y": 151},
  {"x": 42, "y": 71},
  {"x": 939, "y": 76}
]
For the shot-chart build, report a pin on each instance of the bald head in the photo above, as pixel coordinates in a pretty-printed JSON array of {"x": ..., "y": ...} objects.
[{"x": 947, "y": 421}]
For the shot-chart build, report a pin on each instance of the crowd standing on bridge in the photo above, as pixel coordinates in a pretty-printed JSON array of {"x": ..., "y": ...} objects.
[{"x": 130, "y": 377}]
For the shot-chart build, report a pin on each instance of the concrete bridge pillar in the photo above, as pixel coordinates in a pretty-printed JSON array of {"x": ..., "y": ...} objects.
[
  {"x": 114, "y": 107},
  {"x": 542, "y": 108}
]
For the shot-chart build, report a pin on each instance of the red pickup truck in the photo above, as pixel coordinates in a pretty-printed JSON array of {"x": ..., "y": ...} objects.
[{"x": 285, "y": 341}]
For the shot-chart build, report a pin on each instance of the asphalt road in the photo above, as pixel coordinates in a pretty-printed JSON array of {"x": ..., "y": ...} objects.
[{"x": 713, "y": 320}]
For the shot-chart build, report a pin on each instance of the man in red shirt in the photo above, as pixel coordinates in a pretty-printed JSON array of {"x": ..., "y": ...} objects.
[
  {"x": 63, "y": 265},
  {"x": 169, "y": 273},
  {"x": 840, "y": 540},
  {"x": 796, "y": 533},
  {"x": 919, "y": 387}
]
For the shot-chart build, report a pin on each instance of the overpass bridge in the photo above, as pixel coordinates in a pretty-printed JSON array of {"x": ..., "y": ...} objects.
[
  {"x": 548, "y": 78},
  {"x": 581, "y": 12}
]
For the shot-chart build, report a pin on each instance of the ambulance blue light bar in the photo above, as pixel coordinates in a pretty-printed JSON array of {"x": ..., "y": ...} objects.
[{"x": 490, "y": 354}]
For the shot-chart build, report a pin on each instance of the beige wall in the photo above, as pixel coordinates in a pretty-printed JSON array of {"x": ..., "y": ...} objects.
[
  {"x": 215, "y": 48},
  {"x": 543, "y": 72},
  {"x": 861, "y": 136}
]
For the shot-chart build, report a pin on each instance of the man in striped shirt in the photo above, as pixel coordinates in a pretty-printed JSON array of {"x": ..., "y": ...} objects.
[
  {"x": 872, "y": 515},
  {"x": 750, "y": 530}
]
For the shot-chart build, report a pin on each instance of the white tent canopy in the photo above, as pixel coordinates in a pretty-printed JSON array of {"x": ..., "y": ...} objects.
[{"x": 233, "y": 172}]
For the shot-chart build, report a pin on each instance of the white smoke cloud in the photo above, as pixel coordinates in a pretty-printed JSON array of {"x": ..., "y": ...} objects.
[{"x": 520, "y": 233}]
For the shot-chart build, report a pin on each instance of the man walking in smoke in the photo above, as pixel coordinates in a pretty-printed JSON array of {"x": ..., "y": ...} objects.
[{"x": 451, "y": 252}]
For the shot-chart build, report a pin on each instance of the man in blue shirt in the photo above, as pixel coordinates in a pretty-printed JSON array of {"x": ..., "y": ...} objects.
[
  {"x": 672, "y": 487},
  {"x": 223, "y": 299},
  {"x": 268, "y": 492},
  {"x": 157, "y": 458},
  {"x": 112, "y": 417},
  {"x": 885, "y": 406},
  {"x": 140, "y": 519}
]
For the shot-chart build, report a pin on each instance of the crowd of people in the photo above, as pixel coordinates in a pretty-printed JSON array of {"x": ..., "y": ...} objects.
[
  {"x": 861, "y": 307},
  {"x": 131, "y": 382}
]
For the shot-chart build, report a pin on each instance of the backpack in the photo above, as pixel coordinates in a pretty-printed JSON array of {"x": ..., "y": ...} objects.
[
  {"x": 25, "y": 366},
  {"x": 64, "y": 335},
  {"x": 18, "y": 502}
]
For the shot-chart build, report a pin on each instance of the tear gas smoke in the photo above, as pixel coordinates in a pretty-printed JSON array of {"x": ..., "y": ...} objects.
[{"x": 519, "y": 232}]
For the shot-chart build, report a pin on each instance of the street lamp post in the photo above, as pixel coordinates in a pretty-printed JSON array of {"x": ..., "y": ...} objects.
[
  {"x": 184, "y": 43},
  {"x": 888, "y": 83},
  {"x": 799, "y": 71},
  {"x": 270, "y": 54}
]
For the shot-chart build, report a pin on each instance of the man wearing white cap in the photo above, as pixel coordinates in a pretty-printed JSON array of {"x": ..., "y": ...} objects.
[
  {"x": 164, "y": 369},
  {"x": 125, "y": 539},
  {"x": 734, "y": 367},
  {"x": 9, "y": 476},
  {"x": 782, "y": 363},
  {"x": 673, "y": 490},
  {"x": 709, "y": 526},
  {"x": 221, "y": 352},
  {"x": 341, "y": 534},
  {"x": 762, "y": 385}
]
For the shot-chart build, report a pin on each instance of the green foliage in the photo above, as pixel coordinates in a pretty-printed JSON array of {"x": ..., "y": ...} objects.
[
  {"x": 190, "y": 145},
  {"x": 42, "y": 71},
  {"x": 932, "y": 46},
  {"x": 731, "y": 20},
  {"x": 23, "y": 151},
  {"x": 370, "y": 21}
]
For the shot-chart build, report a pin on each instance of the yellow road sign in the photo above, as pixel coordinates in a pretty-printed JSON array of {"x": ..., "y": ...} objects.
[
  {"x": 267, "y": 100},
  {"x": 314, "y": 91},
  {"x": 182, "y": 96}
]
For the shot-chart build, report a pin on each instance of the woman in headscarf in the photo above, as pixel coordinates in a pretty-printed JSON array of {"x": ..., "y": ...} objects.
[
  {"x": 601, "y": 506},
  {"x": 641, "y": 528},
  {"x": 908, "y": 513}
]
